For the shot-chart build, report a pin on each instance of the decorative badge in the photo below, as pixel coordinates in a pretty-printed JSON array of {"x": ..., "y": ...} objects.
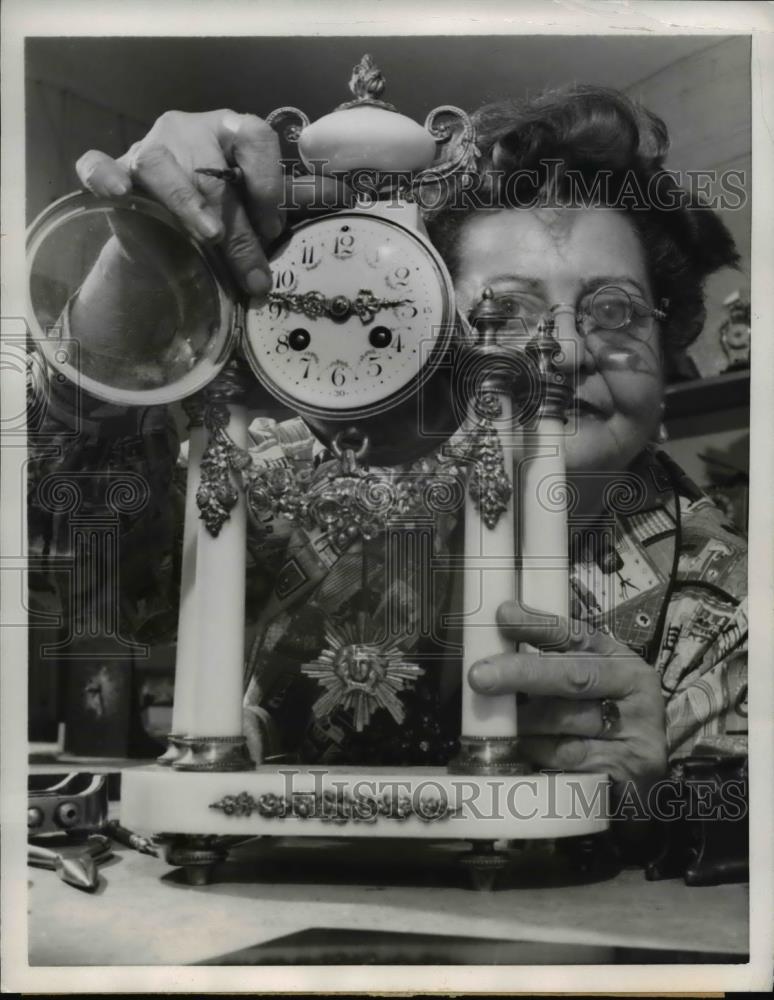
[{"x": 360, "y": 674}]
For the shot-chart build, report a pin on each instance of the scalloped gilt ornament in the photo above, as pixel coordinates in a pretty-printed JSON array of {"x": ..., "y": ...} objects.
[{"x": 360, "y": 675}]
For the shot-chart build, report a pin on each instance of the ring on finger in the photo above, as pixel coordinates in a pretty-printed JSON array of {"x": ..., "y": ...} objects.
[{"x": 611, "y": 716}]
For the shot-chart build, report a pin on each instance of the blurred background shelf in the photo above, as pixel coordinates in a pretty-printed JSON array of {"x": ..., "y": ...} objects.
[{"x": 708, "y": 395}]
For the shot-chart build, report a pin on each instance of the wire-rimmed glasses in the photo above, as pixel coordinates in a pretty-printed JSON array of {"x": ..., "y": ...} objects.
[
  {"x": 610, "y": 312},
  {"x": 612, "y": 308}
]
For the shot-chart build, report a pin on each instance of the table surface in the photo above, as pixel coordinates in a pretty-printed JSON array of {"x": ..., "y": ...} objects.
[{"x": 145, "y": 913}]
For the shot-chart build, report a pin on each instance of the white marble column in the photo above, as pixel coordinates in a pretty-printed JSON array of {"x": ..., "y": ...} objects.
[
  {"x": 212, "y": 698},
  {"x": 489, "y": 580},
  {"x": 187, "y": 639}
]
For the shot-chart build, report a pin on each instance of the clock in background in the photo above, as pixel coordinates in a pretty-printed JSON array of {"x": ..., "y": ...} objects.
[{"x": 735, "y": 332}]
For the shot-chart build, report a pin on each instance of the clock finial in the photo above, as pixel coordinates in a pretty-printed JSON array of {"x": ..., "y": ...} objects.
[
  {"x": 367, "y": 80},
  {"x": 366, "y": 85}
]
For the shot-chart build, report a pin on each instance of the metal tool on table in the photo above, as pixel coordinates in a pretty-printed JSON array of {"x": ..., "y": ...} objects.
[
  {"x": 62, "y": 814},
  {"x": 75, "y": 865},
  {"x": 76, "y": 803},
  {"x": 130, "y": 839}
]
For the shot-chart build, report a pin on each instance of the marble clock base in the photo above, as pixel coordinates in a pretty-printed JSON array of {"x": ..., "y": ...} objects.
[{"x": 202, "y": 814}]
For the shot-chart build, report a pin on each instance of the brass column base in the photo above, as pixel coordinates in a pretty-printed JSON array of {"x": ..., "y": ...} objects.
[
  {"x": 175, "y": 750},
  {"x": 213, "y": 753},
  {"x": 489, "y": 756}
]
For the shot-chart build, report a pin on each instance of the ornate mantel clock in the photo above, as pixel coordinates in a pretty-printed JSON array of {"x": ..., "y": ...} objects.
[{"x": 358, "y": 336}]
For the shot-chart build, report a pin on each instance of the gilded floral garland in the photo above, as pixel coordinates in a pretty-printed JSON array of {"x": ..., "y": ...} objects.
[{"x": 337, "y": 808}]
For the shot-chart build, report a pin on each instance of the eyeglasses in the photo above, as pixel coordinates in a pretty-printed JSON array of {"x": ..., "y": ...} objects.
[
  {"x": 613, "y": 308},
  {"x": 609, "y": 312}
]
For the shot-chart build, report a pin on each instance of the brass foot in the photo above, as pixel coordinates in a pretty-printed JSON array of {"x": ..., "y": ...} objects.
[
  {"x": 483, "y": 864},
  {"x": 197, "y": 856}
]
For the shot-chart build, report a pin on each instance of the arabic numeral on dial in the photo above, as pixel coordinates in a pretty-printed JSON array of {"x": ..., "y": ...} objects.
[
  {"x": 399, "y": 278},
  {"x": 406, "y": 311},
  {"x": 338, "y": 377},
  {"x": 374, "y": 369},
  {"x": 275, "y": 310},
  {"x": 283, "y": 280},
  {"x": 282, "y": 346},
  {"x": 308, "y": 256},
  {"x": 344, "y": 245}
]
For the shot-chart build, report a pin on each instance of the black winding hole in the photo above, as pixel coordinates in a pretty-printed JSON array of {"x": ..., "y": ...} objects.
[
  {"x": 299, "y": 339},
  {"x": 380, "y": 336}
]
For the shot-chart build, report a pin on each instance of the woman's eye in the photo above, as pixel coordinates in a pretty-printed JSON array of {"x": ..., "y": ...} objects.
[
  {"x": 509, "y": 305},
  {"x": 611, "y": 311},
  {"x": 518, "y": 307}
]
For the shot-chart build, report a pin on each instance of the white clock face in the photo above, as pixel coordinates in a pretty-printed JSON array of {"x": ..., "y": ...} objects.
[{"x": 357, "y": 307}]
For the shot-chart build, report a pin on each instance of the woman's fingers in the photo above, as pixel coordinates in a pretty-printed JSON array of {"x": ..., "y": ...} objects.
[
  {"x": 102, "y": 175},
  {"x": 242, "y": 248},
  {"x": 157, "y": 170},
  {"x": 552, "y": 632},
  {"x": 254, "y": 146},
  {"x": 562, "y": 753},
  {"x": 522, "y": 625},
  {"x": 561, "y": 723},
  {"x": 209, "y": 208},
  {"x": 560, "y": 717},
  {"x": 242, "y": 219},
  {"x": 562, "y": 676},
  {"x": 643, "y": 760},
  {"x": 569, "y": 753}
]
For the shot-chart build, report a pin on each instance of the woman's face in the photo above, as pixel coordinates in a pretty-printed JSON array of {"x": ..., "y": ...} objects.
[{"x": 548, "y": 256}]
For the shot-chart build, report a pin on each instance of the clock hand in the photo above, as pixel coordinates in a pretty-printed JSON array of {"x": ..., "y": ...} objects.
[
  {"x": 366, "y": 304},
  {"x": 339, "y": 307},
  {"x": 311, "y": 304}
]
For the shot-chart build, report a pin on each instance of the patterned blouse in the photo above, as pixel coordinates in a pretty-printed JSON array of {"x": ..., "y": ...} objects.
[{"x": 665, "y": 572}]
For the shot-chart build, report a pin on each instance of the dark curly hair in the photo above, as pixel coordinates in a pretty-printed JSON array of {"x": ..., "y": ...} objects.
[{"x": 545, "y": 149}]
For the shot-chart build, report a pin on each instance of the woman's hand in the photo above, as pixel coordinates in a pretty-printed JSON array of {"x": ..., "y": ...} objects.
[
  {"x": 242, "y": 219},
  {"x": 592, "y": 704}
]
